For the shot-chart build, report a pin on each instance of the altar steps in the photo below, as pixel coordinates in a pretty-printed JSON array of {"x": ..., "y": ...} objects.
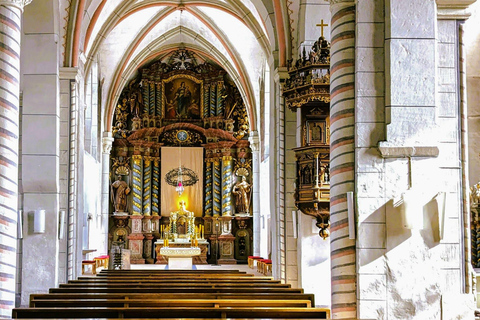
[{"x": 161, "y": 294}]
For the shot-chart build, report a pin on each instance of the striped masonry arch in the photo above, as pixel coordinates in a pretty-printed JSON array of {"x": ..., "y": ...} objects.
[
  {"x": 10, "y": 33},
  {"x": 342, "y": 157}
]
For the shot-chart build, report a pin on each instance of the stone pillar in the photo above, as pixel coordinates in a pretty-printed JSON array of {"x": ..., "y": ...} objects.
[
  {"x": 10, "y": 38},
  {"x": 147, "y": 180},
  {"x": 254, "y": 146},
  {"x": 107, "y": 141},
  {"x": 156, "y": 187},
  {"x": 217, "y": 198},
  {"x": 137, "y": 185},
  {"x": 208, "y": 187},
  {"x": 226, "y": 185},
  {"x": 342, "y": 173}
]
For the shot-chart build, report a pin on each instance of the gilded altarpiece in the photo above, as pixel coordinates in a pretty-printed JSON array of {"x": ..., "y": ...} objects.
[{"x": 181, "y": 100}]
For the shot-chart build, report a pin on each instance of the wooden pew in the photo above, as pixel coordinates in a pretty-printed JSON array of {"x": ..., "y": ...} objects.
[
  {"x": 189, "y": 294},
  {"x": 188, "y": 303},
  {"x": 179, "y": 296},
  {"x": 176, "y": 290},
  {"x": 175, "y": 285},
  {"x": 170, "y": 312},
  {"x": 176, "y": 280}
]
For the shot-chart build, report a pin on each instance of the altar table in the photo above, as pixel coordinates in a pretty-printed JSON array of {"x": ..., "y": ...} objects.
[
  {"x": 200, "y": 259},
  {"x": 180, "y": 258}
]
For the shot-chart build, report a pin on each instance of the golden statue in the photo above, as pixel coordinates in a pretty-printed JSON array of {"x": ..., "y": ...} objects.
[
  {"x": 182, "y": 222},
  {"x": 119, "y": 197},
  {"x": 242, "y": 195}
]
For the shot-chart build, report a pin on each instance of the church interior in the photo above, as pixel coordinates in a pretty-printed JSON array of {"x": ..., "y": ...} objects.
[{"x": 338, "y": 140}]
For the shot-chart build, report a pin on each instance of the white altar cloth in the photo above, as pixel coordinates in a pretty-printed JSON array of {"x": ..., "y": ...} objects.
[{"x": 180, "y": 258}]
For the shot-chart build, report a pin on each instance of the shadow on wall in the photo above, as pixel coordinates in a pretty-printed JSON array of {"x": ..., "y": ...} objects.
[{"x": 414, "y": 211}]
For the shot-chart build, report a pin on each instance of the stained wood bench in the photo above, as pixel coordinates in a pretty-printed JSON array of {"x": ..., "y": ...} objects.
[
  {"x": 135, "y": 296},
  {"x": 175, "y": 285},
  {"x": 171, "y": 312},
  {"x": 169, "y": 294},
  {"x": 176, "y": 290},
  {"x": 188, "y": 303},
  {"x": 177, "y": 280}
]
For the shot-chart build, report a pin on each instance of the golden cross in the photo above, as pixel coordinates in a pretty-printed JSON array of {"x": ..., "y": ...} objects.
[{"x": 321, "y": 25}]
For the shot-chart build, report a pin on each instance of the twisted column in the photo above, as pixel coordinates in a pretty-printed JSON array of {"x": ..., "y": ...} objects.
[
  {"x": 216, "y": 187},
  {"x": 342, "y": 143},
  {"x": 226, "y": 187},
  {"x": 147, "y": 180},
  {"x": 156, "y": 186},
  {"x": 208, "y": 187},
  {"x": 206, "y": 100},
  {"x": 137, "y": 185},
  {"x": 213, "y": 98},
  {"x": 10, "y": 24},
  {"x": 219, "y": 98}
]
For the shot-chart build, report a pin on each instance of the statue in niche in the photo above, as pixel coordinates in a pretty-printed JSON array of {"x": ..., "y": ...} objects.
[
  {"x": 136, "y": 99},
  {"x": 242, "y": 195},
  {"x": 475, "y": 195},
  {"x": 119, "y": 192}
]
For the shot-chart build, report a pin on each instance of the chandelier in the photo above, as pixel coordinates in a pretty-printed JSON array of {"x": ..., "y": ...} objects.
[{"x": 180, "y": 178}]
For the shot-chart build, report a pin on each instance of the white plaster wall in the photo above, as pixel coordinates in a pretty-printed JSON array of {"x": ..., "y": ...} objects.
[
  {"x": 92, "y": 200},
  {"x": 472, "y": 44},
  {"x": 265, "y": 209},
  {"x": 40, "y": 146},
  {"x": 406, "y": 273},
  {"x": 314, "y": 261}
]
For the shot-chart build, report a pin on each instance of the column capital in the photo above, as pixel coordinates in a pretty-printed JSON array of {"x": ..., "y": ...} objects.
[
  {"x": 107, "y": 141},
  {"x": 454, "y": 9},
  {"x": 15, "y": 3},
  {"x": 254, "y": 141},
  {"x": 280, "y": 74},
  {"x": 68, "y": 73}
]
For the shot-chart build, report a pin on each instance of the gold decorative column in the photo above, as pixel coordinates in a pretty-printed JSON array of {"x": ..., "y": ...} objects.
[
  {"x": 217, "y": 190},
  {"x": 156, "y": 186},
  {"x": 208, "y": 187},
  {"x": 137, "y": 185},
  {"x": 226, "y": 186},
  {"x": 147, "y": 182}
]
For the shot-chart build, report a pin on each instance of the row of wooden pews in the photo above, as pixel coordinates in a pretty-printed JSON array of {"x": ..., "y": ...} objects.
[{"x": 209, "y": 294}]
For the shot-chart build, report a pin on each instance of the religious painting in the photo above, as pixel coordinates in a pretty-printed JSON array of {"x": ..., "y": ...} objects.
[
  {"x": 182, "y": 98},
  {"x": 316, "y": 132}
]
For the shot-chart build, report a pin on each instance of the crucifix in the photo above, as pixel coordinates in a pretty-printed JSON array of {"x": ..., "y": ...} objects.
[{"x": 322, "y": 25}]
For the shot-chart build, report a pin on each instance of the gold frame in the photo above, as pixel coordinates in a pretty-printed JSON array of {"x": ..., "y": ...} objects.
[
  {"x": 181, "y": 76},
  {"x": 312, "y": 139}
]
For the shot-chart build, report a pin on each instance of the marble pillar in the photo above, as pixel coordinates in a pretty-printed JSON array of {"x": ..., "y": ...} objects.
[
  {"x": 107, "y": 141},
  {"x": 342, "y": 155},
  {"x": 254, "y": 146},
  {"x": 11, "y": 24}
]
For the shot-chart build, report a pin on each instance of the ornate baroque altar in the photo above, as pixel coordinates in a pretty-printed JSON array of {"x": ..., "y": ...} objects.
[{"x": 181, "y": 100}]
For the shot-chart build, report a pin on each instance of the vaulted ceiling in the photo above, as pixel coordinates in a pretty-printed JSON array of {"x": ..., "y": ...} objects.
[{"x": 242, "y": 36}]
